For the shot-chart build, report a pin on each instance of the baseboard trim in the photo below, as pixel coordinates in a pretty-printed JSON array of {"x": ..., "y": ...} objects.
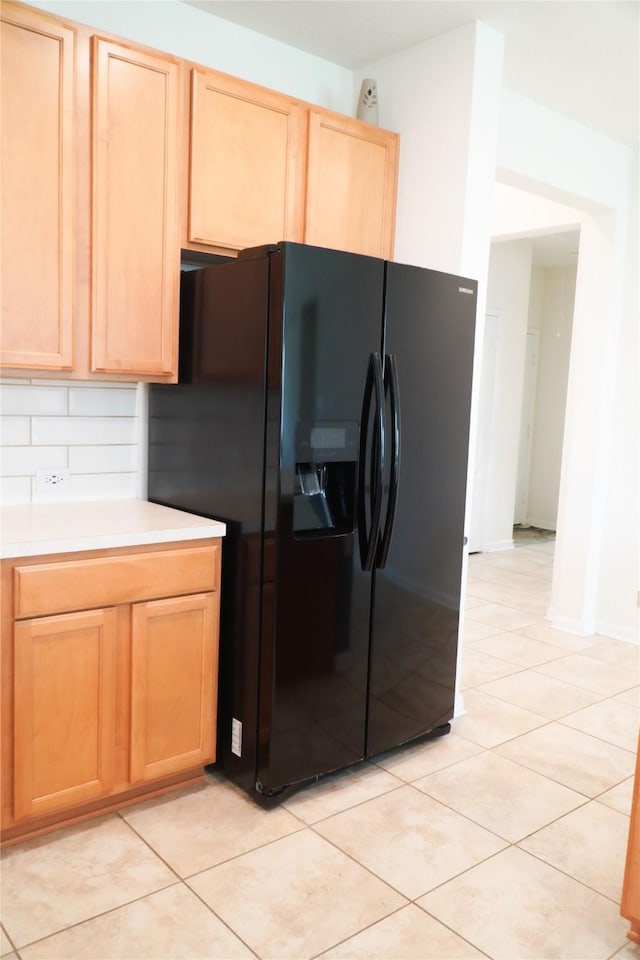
[
  {"x": 618, "y": 632},
  {"x": 497, "y": 545},
  {"x": 584, "y": 628},
  {"x": 542, "y": 524},
  {"x": 581, "y": 628}
]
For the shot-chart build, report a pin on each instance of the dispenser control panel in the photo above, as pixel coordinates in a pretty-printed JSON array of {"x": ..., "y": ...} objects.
[{"x": 326, "y": 441}]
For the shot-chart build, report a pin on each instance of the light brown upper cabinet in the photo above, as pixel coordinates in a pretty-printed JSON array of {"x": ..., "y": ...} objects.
[
  {"x": 37, "y": 129},
  {"x": 351, "y": 185},
  {"x": 90, "y": 243},
  {"x": 135, "y": 246},
  {"x": 111, "y": 164},
  {"x": 247, "y": 157}
]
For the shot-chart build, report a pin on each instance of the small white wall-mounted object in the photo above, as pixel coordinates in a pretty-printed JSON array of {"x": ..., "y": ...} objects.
[{"x": 368, "y": 102}]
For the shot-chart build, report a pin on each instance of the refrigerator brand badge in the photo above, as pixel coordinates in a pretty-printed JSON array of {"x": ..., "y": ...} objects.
[
  {"x": 236, "y": 737},
  {"x": 465, "y": 290}
]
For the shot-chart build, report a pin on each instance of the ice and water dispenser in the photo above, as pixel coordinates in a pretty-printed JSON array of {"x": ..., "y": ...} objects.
[{"x": 324, "y": 502}]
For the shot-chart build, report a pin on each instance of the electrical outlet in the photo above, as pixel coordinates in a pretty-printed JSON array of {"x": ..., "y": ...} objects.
[{"x": 52, "y": 483}]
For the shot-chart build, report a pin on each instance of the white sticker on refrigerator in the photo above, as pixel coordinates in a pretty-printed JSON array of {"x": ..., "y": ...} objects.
[
  {"x": 236, "y": 737},
  {"x": 465, "y": 290}
]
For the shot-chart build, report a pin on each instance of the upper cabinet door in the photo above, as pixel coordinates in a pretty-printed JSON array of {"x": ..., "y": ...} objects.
[
  {"x": 247, "y": 163},
  {"x": 37, "y": 132},
  {"x": 351, "y": 185},
  {"x": 135, "y": 243}
]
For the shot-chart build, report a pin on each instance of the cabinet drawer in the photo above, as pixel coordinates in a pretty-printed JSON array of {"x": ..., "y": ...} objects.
[{"x": 47, "y": 588}]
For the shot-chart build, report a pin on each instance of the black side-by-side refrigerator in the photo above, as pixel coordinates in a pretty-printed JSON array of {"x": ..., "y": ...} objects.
[{"x": 323, "y": 413}]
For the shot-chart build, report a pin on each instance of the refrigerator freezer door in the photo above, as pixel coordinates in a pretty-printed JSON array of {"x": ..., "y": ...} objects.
[
  {"x": 430, "y": 325},
  {"x": 325, "y": 323}
]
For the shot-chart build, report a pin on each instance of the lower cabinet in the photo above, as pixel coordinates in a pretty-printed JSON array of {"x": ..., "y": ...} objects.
[
  {"x": 109, "y": 704},
  {"x": 630, "y": 904}
]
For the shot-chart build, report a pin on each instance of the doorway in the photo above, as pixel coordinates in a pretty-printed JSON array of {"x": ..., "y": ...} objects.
[
  {"x": 523, "y": 388},
  {"x": 545, "y": 379}
]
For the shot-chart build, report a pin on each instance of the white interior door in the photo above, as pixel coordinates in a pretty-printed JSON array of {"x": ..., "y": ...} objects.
[{"x": 521, "y": 510}]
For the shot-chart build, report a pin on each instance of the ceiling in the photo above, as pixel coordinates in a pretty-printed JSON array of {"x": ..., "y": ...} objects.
[
  {"x": 556, "y": 249},
  {"x": 579, "y": 57}
]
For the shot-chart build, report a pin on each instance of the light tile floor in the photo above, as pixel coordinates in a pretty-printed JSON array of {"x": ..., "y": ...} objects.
[{"x": 505, "y": 839}]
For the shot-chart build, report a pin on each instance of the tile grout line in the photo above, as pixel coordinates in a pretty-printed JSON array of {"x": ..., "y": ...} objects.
[
  {"x": 221, "y": 919},
  {"x": 570, "y": 875},
  {"x": 516, "y": 846},
  {"x": 96, "y": 916},
  {"x": 512, "y": 843},
  {"x": 10, "y": 939},
  {"x": 594, "y": 735},
  {"x": 339, "y": 943}
]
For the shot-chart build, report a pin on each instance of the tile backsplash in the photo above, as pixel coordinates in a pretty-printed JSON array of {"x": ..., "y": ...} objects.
[{"x": 95, "y": 432}]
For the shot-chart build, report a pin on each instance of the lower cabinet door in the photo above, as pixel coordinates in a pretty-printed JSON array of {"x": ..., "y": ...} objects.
[
  {"x": 65, "y": 686},
  {"x": 174, "y": 677}
]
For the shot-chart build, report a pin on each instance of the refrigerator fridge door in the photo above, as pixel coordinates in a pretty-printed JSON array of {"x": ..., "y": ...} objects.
[
  {"x": 325, "y": 323},
  {"x": 429, "y": 341}
]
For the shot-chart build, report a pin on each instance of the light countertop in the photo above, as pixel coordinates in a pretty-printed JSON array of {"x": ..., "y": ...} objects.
[{"x": 27, "y": 530}]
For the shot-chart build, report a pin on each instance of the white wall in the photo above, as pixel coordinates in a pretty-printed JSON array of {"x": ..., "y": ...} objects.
[
  {"x": 589, "y": 418},
  {"x": 551, "y": 313},
  {"x": 519, "y": 213},
  {"x": 194, "y": 35},
  {"x": 596, "y": 566},
  {"x": 433, "y": 146},
  {"x": 619, "y": 577},
  {"x": 561, "y": 159},
  {"x": 443, "y": 96}
]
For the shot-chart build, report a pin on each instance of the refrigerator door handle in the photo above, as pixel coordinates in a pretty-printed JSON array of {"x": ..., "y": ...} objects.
[
  {"x": 391, "y": 385},
  {"x": 374, "y": 382}
]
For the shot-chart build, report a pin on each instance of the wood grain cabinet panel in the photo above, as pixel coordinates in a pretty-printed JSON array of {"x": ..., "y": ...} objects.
[
  {"x": 135, "y": 245},
  {"x": 174, "y": 677},
  {"x": 247, "y": 157},
  {"x": 630, "y": 905},
  {"x": 65, "y": 683},
  {"x": 351, "y": 185},
  {"x": 37, "y": 189},
  {"x": 110, "y": 165},
  {"x": 58, "y": 587}
]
